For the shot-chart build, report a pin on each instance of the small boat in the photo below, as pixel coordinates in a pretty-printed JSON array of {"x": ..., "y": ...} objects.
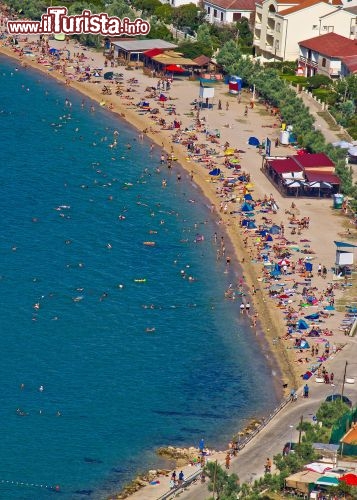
[
  {"x": 149, "y": 243},
  {"x": 140, "y": 280}
]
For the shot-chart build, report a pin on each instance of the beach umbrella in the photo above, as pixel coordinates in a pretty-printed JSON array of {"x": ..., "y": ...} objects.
[
  {"x": 229, "y": 151},
  {"x": 248, "y": 197},
  {"x": 253, "y": 141},
  {"x": 350, "y": 479},
  {"x": 173, "y": 68},
  {"x": 108, "y": 75},
  {"x": 283, "y": 262},
  {"x": 60, "y": 37},
  {"x": 327, "y": 481},
  {"x": 53, "y": 51},
  {"x": 215, "y": 172}
]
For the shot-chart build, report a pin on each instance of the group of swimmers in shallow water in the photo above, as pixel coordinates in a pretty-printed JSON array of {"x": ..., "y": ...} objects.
[{"x": 22, "y": 413}]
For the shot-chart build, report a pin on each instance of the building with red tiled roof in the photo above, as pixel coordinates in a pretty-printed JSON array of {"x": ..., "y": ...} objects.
[
  {"x": 281, "y": 24},
  {"x": 303, "y": 174},
  {"x": 228, "y": 11},
  {"x": 324, "y": 54}
]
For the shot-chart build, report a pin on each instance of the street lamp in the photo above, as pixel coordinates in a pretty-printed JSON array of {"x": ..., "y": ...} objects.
[{"x": 291, "y": 437}]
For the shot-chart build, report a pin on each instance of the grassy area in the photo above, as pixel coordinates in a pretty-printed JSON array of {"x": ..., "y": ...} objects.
[{"x": 330, "y": 122}]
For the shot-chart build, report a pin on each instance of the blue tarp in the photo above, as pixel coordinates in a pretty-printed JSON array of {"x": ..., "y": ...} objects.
[
  {"x": 302, "y": 325},
  {"x": 313, "y": 316},
  {"x": 253, "y": 141},
  {"x": 247, "y": 208},
  {"x": 274, "y": 229}
]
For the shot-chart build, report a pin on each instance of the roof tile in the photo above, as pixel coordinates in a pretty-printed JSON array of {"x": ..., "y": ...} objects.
[
  {"x": 331, "y": 45},
  {"x": 305, "y": 4}
]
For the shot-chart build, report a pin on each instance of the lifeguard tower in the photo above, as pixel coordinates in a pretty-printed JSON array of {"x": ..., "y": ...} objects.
[{"x": 344, "y": 258}]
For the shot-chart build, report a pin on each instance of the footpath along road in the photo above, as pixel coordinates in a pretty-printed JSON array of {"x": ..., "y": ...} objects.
[{"x": 249, "y": 464}]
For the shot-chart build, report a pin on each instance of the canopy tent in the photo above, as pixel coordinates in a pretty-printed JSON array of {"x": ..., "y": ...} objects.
[
  {"x": 301, "y": 481},
  {"x": 302, "y": 325},
  {"x": 253, "y": 141},
  {"x": 341, "y": 244},
  {"x": 327, "y": 481}
]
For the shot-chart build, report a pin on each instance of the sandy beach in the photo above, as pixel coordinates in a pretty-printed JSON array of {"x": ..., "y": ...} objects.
[{"x": 271, "y": 313}]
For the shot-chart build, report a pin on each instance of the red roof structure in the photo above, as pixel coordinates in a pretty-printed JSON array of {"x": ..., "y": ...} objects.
[
  {"x": 331, "y": 45},
  {"x": 304, "y": 5},
  {"x": 351, "y": 63},
  {"x": 153, "y": 52},
  {"x": 323, "y": 177},
  {"x": 316, "y": 160},
  {"x": 234, "y": 4},
  {"x": 285, "y": 166}
]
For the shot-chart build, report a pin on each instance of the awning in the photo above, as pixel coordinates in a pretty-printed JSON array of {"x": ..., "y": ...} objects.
[
  {"x": 341, "y": 244},
  {"x": 323, "y": 177},
  {"x": 153, "y": 52}
]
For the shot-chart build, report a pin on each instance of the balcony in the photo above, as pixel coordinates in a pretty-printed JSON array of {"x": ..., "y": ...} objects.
[{"x": 308, "y": 62}]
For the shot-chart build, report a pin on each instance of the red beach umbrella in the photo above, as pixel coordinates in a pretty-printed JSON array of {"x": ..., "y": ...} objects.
[
  {"x": 173, "y": 68},
  {"x": 350, "y": 479}
]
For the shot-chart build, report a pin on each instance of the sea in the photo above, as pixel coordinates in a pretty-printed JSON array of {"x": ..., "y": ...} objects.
[{"x": 109, "y": 347}]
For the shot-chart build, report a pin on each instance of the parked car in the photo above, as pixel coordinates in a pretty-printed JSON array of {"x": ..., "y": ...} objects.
[
  {"x": 289, "y": 447},
  {"x": 338, "y": 397}
]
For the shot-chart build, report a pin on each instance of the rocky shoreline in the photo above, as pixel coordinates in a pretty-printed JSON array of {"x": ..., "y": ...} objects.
[{"x": 179, "y": 457}]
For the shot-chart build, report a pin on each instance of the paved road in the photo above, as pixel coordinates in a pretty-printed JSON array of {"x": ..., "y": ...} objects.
[{"x": 249, "y": 465}]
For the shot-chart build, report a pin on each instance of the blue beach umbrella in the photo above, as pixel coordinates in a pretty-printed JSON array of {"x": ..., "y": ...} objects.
[{"x": 215, "y": 172}]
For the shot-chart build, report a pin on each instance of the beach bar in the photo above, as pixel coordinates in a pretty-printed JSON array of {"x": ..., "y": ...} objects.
[
  {"x": 311, "y": 175},
  {"x": 133, "y": 50}
]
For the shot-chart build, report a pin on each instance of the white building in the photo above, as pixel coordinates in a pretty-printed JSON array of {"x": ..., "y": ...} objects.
[
  {"x": 281, "y": 24},
  {"x": 178, "y": 3},
  {"x": 330, "y": 54},
  {"x": 228, "y": 11}
]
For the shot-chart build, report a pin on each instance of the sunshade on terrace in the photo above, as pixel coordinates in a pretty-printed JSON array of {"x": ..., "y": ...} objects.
[{"x": 327, "y": 481}]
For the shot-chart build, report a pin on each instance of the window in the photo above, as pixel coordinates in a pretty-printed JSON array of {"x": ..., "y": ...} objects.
[
  {"x": 323, "y": 63},
  {"x": 214, "y": 12},
  {"x": 222, "y": 16},
  {"x": 278, "y": 27},
  {"x": 277, "y": 45},
  {"x": 208, "y": 10},
  {"x": 314, "y": 27},
  {"x": 237, "y": 16}
]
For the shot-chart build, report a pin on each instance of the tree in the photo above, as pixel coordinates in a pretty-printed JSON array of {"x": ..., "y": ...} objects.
[
  {"x": 228, "y": 55},
  {"x": 317, "y": 81},
  {"x": 245, "y": 36},
  {"x": 165, "y": 13},
  {"x": 330, "y": 412},
  {"x": 224, "y": 485},
  {"x": 204, "y": 35},
  {"x": 188, "y": 15},
  {"x": 160, "y": 31},
  {"x": 119, "y": 8},
  {"x": 194, "y": 49}
]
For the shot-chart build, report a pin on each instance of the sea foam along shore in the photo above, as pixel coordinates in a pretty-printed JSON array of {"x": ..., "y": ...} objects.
[{"x": 270, "y": 322}]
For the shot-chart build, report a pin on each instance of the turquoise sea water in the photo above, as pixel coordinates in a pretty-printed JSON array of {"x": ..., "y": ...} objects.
[{"x": 121, "y": 391}]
